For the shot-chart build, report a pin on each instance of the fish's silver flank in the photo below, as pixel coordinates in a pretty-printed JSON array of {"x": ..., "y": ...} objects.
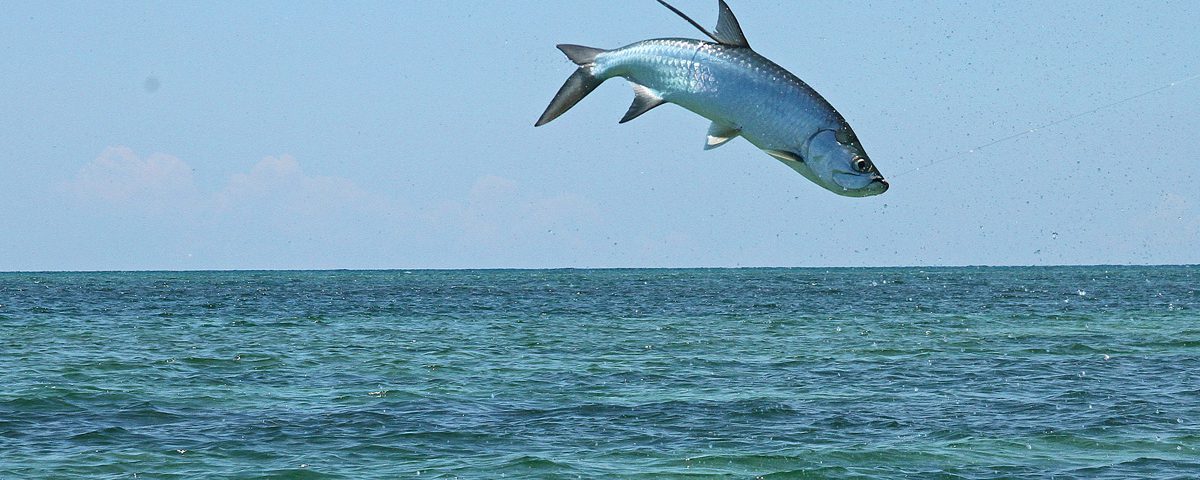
[{"x": 741, "y": 92}]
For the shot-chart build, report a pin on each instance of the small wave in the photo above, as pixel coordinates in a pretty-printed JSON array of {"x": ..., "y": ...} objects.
[
  {"x": 533, "y": 463},
  {"x": 146, "y": 413},
  {"x": 303, "y": 473},
  {"x": 57, "y": 403},
  {"x": 110, "y": 435},
  {"x": 1141, "y": 467}
]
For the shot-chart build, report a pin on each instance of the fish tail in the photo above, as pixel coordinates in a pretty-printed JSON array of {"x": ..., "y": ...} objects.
[{"x": 577, "y": 86}]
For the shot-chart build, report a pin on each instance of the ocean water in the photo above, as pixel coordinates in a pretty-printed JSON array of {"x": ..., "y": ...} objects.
[{"x": 971, "y": 373}]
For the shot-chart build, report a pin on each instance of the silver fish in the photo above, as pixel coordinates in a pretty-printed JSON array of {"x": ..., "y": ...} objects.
[{"x": 743, "y": 93}]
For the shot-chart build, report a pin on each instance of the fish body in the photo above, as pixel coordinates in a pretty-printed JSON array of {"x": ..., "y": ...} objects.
[{"x": 741, "y": 92}]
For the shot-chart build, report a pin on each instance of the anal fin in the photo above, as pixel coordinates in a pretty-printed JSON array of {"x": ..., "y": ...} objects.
[
  {"x": 644, "y": 100},
  {"x": 719, "y": 134}
]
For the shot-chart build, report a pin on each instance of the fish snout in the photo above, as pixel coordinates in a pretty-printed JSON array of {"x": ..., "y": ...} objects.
[{"x": 882, "y": 182}]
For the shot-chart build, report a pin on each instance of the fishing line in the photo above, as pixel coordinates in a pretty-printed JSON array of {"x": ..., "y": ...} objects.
[
  {"x": 689, "y": 19},
  {"x": 1052, "y": 124}
]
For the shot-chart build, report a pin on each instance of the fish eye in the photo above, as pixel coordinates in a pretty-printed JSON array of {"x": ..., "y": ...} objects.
[{"x": 861, "y": 164}]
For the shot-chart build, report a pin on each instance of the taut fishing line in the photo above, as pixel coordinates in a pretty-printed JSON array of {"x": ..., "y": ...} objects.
[{"x": 1051, "y": 124}]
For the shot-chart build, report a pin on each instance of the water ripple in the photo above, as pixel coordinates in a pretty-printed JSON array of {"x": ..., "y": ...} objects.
[{"x": 969, "y": 373}]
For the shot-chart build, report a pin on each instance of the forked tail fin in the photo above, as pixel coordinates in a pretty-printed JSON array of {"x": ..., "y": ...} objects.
[{"x": 577, "y": 86}]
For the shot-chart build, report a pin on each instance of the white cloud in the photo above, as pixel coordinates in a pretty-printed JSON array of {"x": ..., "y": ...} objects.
[
  {"x": 122, "y": 179},
  {"x": 274, "y": 214},
  {"x": 279, "y": 184}
]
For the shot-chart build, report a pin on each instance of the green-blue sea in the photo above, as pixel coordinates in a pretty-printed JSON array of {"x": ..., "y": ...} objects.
[{"x": 955, "y": 373}]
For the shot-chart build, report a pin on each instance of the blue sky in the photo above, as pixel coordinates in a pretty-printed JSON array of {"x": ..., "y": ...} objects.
[{"x": 245, "y": 135}]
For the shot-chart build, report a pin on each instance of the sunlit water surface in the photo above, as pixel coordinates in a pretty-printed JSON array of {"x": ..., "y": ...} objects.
[{"x": 1080, "y": 372}]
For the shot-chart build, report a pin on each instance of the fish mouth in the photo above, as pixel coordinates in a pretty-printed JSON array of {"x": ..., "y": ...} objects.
[
  {"x": 883, "y": 185},
  {"x": 876, "y": 186}
]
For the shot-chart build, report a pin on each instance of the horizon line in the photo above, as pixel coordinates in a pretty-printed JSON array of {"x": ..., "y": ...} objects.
[{"x": 467, "y": 269}]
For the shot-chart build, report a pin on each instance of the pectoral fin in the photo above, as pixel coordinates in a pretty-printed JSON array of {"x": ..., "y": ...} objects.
[
  {"x": 785, "y": 155},
  {"x": 644, "y": 100},
  {"x": 719, "y": 134}
]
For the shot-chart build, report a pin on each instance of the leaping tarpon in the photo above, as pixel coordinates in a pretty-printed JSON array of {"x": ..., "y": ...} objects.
[{"x": 744, "y": 94}]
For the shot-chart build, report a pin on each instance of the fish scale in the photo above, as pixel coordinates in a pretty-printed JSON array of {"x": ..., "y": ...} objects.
[{"x": 714, "y": 81}]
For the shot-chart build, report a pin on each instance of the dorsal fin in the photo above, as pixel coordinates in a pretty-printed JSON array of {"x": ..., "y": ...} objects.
[{"x": 728, "y": 31}]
